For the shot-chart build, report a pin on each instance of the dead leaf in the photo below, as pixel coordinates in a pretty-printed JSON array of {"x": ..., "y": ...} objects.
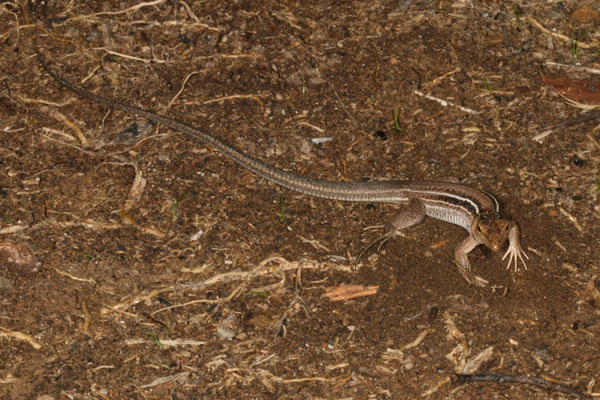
[
  {"x": 474, "y": 363},
  {"x": 136, "y": 190},
  {"x": 584, "y": 15},
  {"x": 577, "y": 90}
]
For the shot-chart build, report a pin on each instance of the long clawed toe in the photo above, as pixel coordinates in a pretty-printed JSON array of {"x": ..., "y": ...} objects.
[
  {"x": 383, "y": 239},
  {"x": 515, "y": 253}
]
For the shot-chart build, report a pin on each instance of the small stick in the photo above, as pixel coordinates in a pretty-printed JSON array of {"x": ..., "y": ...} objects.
[
  {"x": 20, "y": 336},
  {"x": 575, "y": 67},
  {"x": 446, "y": 103},
  {"x": 502, "y": 378},
  {"x": 130, "y": 9},
  {"x": 547, "y": 31},
  {"x": 144, "y": 60}
]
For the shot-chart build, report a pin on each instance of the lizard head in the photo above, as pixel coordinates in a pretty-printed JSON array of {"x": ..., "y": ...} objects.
[{"x": 491, "y": 232}]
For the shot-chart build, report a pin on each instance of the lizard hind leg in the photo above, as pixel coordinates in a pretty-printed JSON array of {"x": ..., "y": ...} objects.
[{"x": 412, "y": 215}]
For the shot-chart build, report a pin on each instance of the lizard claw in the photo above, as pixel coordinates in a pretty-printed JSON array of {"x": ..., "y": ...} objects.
[
  {"x": 381, "y": 240},
  {"x": 479, "y": 281},
  {"x": 469, "y": 276},
  {"x": 515, "y": 253}
]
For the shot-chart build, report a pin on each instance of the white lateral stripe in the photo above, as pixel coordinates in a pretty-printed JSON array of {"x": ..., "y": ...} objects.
[
  {"x": 441, "y": 194},
  {"x": 496, "y": 203}
]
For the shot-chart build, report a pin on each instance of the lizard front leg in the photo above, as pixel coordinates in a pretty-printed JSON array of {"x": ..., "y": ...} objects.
[
  {"x": 462, "y": 261},
  {"x": 515, "y": 251}
]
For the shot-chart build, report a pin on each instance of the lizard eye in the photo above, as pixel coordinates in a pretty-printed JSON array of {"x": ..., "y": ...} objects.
[{"x": 481, "y": 228}]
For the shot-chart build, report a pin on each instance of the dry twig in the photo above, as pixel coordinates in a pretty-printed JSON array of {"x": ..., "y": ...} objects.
[
  {"x": 445, "y": 103},
  {"x": 20, "y": 336},
  {"x": 565, "y": 38},
  {"x": 526, "y": 380}
]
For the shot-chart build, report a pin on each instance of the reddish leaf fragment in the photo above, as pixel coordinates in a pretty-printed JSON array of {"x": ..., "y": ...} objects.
[
  {"x": 346, "y": 292},
  {"x": 578, "y": 90},
  {"x": 585, "y": 15}
]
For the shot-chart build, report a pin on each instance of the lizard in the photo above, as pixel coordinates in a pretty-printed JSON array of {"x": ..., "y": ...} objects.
[{"x": 477, "y": 211}]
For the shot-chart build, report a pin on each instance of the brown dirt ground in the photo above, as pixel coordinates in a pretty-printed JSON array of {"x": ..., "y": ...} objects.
[{"x": 203, "y": 288}]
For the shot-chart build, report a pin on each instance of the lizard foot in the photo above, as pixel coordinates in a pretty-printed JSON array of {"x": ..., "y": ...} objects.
[{"x": 383, "y": 239}]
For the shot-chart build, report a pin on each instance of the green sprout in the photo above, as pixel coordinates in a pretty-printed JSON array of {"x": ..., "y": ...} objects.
[
  {"x": 165, "y": 366},
  {"x": 176, "y": 205},
  {"x": 396, "y": 121},
  {"x": 156, "y": 340},
  {"x": 577, "y": 37},
  {"x": 517, "y": 12},
  {"x": 264, "y": 295},
  {"x": 575, "y": 49}
]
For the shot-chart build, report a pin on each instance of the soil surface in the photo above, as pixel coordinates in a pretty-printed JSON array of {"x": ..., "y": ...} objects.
[{"x": 136, "y": 263}]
